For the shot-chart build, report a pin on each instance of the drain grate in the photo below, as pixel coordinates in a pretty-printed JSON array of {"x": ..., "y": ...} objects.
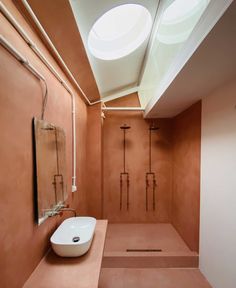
[{"x": 143, "y": 250}]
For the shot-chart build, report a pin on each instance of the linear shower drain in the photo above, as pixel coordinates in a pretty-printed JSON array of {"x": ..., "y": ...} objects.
[{"x": 143, "y": 250}]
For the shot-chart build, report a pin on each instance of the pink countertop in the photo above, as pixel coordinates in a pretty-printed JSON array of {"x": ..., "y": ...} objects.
[{"x": 81, "y": 272}]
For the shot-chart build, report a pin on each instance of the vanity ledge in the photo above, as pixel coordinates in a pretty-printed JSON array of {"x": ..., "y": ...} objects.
[{"x": 79, "y": 272}]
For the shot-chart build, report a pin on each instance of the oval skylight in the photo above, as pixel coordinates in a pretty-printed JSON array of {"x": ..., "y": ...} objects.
[
  {"x": 119, "y": 31},
  {"x": 179, "y": 20},
  {"x": 179, "y": 10}
]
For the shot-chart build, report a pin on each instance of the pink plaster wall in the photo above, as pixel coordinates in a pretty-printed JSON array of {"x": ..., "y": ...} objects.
[
  {"x": 22, "y": 242},
  {"x": 94, "y": 161},
  {"x": 99, "y": 161},
  {"x": 186, "y": 174},
  {"x": 176, "y": 162},
  {"x": 137, "y": 164}
]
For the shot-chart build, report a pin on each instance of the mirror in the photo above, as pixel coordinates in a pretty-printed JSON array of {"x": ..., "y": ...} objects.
[{"x": 50, "y": 168}]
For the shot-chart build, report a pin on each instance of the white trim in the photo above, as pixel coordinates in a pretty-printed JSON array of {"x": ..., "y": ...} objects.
[
  {"x": 155, "y": 25},
  {"x": 120, "y": 93},
  {"x": 210, "y": 17},
  {"x": 40, "y": 55},
  {"x": 7, "y": 45},
  {"x": 45, "y": 35},
  {"x": 123, "y": 109}
]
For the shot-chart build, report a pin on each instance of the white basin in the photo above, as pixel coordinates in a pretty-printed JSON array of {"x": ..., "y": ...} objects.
[{"x": 73, "y": 237}]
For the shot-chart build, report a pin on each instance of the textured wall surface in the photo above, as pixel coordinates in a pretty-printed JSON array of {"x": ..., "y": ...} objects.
[
  {"x": 22, "y": 242},
  {"x": 186, "y": 174},
  {"x": 176, "y": 162},
  {"x": 137, "y": 165},
  {"x": 94, "y": 161}
]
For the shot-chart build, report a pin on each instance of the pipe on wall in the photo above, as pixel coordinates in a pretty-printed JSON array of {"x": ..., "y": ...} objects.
[
  {"x": 32, "y": 45},
  {"x": 48, "y": 40},
  {"x": 6, "y": 44},
  {"x": 123, "y": 109}
]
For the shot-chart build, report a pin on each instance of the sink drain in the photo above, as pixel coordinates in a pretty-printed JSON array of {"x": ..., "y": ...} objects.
[{"x": 76, "y": 239}]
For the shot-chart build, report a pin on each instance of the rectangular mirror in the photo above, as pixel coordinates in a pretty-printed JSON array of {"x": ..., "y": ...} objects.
[{"x": 50, "y": 168}]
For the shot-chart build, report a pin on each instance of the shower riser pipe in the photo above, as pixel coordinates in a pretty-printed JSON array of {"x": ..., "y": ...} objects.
[{"x": 152, "y": 174}]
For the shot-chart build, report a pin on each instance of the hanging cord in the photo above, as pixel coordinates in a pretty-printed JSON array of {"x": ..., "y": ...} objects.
[{"x": 45, "y": 99}]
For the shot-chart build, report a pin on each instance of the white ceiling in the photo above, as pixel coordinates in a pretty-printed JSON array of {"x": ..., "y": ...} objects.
[
  {"x": 118, "y": 75},
  {"x": 213, "y": 64}
]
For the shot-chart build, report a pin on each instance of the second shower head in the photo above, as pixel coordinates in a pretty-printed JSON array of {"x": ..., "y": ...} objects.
[
  {"x": 124, "y": 127},
  {"x": 152, "y": 127}
]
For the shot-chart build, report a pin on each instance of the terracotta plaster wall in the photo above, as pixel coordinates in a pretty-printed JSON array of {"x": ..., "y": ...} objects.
[
  {"x": 137, "y": 164},
  {"x": 48, "y": 14},
  {"x": 94, "y": 161},
  {"x": 22, "y": 242},
  {"x": 186, "y": 174}
]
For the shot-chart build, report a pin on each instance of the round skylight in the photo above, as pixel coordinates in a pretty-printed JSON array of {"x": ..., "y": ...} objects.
[
  {"x": 179, "y": 10},
  {"x": 179, "y": 19},
  {"x": 119, "y": 31}
]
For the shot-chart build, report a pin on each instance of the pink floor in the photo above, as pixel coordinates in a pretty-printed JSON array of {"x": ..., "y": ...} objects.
[
  {"x": 175, "y": 266},
  {"x": 144, "y": 236},
  {"x": 152, "y": 278},
  {"x": 142, "y": 240}
]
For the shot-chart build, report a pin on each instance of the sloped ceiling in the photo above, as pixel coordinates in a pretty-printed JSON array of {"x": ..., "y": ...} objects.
[
  {"x": 117, "y": 75},
  {"x": 212, "y": 65},
  {"x": 58, "y": 21}
]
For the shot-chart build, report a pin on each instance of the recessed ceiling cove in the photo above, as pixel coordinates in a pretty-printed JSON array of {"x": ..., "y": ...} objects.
[{"x": 115, "y": 36}]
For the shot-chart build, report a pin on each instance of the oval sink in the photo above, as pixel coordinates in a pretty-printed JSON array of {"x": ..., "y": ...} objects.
[{"x": 73, "y": 237}]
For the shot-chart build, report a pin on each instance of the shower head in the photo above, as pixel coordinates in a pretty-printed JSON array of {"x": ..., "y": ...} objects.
[
  {"x": 125, "y": 127},
  {"x": 152, "y": 127}
]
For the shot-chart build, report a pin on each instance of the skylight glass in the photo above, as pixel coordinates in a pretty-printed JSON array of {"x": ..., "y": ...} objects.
[
  {"x": 119, "y": 31},
  {"x": 179, "y": 10},
  {"x": 177, "y": 21}
]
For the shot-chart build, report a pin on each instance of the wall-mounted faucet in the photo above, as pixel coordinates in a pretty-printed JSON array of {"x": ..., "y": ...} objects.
[
  {"x": 70, "y": 210},
  {"x": 58, "y": 209}
]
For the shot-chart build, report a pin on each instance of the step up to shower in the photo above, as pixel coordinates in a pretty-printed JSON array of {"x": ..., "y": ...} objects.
[
  {"x": 147, "y": 245},
  {"x": 150, "y": 259}
]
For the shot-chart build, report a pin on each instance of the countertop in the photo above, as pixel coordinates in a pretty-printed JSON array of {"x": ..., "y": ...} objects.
[{"x": 79, "y": 272}]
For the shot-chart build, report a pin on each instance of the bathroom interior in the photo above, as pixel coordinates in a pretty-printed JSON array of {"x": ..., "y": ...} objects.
[{"x": 117, "y": 148}]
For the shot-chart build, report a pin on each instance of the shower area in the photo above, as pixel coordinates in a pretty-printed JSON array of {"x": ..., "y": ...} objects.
[{"x": 151, "y": 190}]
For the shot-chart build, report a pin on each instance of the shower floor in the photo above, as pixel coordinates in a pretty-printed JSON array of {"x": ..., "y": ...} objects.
[
  {"x": 174, "y": 266},
  {"x": 152, "y": 278},
  {"x": 146, "y": 246}
]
